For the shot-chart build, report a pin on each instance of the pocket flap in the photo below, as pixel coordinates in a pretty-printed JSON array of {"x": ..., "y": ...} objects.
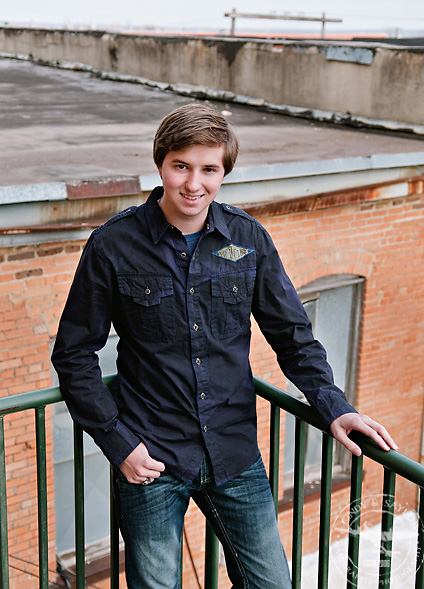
[
  {"x": 233, "y": 288},
  {"x": 146, "y": 289}
]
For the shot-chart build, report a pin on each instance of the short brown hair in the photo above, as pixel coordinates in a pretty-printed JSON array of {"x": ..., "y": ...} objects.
[{"x": 195, "y": 124}]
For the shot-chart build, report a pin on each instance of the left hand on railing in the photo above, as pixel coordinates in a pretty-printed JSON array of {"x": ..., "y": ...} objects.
[{"x": 341, "y": 427}]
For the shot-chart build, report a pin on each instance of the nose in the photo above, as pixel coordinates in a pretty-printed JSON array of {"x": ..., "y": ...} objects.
[{"x": 193, "y": 183}]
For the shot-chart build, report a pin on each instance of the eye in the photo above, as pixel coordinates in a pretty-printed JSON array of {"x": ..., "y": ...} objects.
[
  {"x": 209, "y": 170},
  {"x": 181, "y": 166}
]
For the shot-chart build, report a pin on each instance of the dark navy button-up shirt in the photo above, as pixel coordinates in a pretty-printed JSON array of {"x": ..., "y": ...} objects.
[{"x": 184, "y": 379}]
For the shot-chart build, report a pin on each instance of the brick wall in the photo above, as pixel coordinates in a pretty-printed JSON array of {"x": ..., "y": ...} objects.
[
  {"x": 383, "y": 241},
  {"x": 34, "y": 281}
]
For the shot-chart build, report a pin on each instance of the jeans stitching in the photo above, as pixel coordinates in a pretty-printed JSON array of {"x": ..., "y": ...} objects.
[{"x": 230, "y": 545}]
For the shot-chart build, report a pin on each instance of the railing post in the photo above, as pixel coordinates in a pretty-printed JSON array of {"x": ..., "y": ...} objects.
[
  {"x": 114, "y": 539},
  {"x": 4, "y": 544},
  {"x": 43, "y": 554},
  {"x": 298, "y": 496},
  {"x": 325, "y": 511},
  {"x": 274, "y": 453},
  {"x": 387, "y": 527},
  {"x": 79, "y": 507},
  {"x": 419, "y": 578},
  {"x": 211, "y": 559},
  {"x": 354, "y": 521}
]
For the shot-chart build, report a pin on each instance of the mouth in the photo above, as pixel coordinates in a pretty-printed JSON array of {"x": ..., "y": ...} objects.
[{"x": 192, "y": 197}]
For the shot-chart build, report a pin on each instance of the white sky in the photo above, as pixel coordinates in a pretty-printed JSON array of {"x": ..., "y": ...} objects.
[{"x": 362, "y": 15}]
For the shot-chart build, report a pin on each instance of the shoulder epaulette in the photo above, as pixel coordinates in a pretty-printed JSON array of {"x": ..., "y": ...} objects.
[
  {"x": 117, "y": 217},
  {"x": 236, "y": 211}
]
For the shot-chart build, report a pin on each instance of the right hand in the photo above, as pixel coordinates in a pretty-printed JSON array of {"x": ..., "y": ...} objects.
[
  {"x": 139, "y": 466},
  {"x": 341, "y": 427}
]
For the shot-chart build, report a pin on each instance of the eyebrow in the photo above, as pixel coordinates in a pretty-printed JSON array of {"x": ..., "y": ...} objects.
[{"x": 180, "y": 161}]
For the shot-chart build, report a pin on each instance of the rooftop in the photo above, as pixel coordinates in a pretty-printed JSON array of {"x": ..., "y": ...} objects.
[
  {"x": 70, "y": 126},
  {"x": 77, "y": 148}
]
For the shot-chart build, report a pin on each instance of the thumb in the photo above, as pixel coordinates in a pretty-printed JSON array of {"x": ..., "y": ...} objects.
[{"x": 154, "y": 464}]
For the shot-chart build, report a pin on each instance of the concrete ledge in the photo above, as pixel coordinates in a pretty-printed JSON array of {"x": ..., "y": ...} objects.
[
  {"x": 33, "y": 193},
  {"x": 271, "y": 189},
  {"x": 393, "y": 166}
]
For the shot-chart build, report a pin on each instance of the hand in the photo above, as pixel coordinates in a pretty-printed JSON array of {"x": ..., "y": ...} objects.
[
  {"x": 138, "y": 467},
  {"x": 343, "y": 425}
]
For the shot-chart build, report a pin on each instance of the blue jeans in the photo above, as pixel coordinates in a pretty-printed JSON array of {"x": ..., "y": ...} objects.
[{"x": 241, "y": 513}]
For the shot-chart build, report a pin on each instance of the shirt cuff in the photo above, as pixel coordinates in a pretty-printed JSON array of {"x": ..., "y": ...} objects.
[
  {"x": 332, "y": 406},
  {"x": 117, "y": 443}
]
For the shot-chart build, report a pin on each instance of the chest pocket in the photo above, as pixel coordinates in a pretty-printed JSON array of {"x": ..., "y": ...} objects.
[
  {"x": 148, "y": 305},
  {"x": 231, "y": 303}
]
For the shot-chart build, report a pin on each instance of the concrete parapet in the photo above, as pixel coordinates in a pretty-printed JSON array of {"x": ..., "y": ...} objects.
[{"x": 376, "y": 81}]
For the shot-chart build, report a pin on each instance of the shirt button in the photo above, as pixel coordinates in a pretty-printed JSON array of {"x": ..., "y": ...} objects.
[
  {"x": 195, "y": 327},
  {"x": 147, "y": 291},
  {"x": 198, "y": 361},
  {"x": 205, "y": 428},
  {"x": 203, "y": 396},
  {"x": 183, "y": 255},
  {"x": 235, "y": 288},
  {"x": 191, "y": 290}
]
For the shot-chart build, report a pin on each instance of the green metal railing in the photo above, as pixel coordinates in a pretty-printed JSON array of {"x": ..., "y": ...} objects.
[{"x": 394, "y": 464}]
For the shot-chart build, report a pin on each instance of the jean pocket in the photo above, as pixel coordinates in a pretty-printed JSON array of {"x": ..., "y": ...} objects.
[
  {"x": 147, "y": 302},
  {"x": 231, "y": 303}
]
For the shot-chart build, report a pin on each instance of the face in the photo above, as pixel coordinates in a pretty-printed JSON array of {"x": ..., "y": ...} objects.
[{"x": 191, "y": 180}]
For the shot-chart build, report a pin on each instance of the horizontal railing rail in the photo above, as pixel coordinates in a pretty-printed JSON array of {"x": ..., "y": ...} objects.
[{"x": 394, "y": 464}]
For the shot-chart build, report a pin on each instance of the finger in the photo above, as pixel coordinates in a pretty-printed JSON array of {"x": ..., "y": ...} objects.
[
  {"x": 370, "y": 432},
  {"x": 139, "y": 465},
  {"x": 383, "y": 433},
  {"x": 150, "y": 474},
  {"x": 376, "y": 432},
  {"x": 140, "y": 479},
  {"x": 341, "y": 436}
]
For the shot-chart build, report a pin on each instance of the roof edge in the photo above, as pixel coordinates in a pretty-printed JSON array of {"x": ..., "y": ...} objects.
[{"x": 132, "y": 185}]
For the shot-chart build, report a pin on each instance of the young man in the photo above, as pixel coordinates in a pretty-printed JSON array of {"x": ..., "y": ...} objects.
[{"x": 179, "y": 278}]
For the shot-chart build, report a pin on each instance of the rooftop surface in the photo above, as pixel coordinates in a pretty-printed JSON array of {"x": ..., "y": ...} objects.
[{"x": 70, "y": 126}]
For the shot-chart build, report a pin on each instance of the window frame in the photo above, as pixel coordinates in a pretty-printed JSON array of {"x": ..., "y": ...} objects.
[{"x": 311, "y": 292}]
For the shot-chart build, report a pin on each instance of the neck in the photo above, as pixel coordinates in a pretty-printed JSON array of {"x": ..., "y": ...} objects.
[{"x": 187, "y": 225}]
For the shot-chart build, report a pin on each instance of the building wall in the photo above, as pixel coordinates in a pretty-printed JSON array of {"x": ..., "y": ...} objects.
[
  {"x": 33, "y": 284},
  {"x": 337, "y": 77},
  {"x": 383, "y": 241}
]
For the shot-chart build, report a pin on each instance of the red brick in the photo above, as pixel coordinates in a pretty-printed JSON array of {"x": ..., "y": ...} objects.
[{"x": 382, "y": 241}]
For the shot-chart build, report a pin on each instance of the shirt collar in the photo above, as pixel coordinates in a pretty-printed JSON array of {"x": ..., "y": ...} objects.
[
  {"x": 216, "y": 220},
  {"x": 158, "y": 223},
  {"x": 156, "y": 219}
]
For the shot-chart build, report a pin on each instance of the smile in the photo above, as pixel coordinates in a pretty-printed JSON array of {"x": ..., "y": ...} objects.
[{"x": 196, "y": 197}]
